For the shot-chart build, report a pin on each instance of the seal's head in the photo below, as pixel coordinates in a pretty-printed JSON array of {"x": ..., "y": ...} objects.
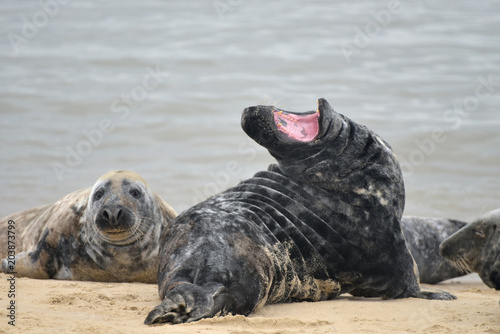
[
  {"x": 286, "y": 133},
  {"x": 122, "y": 208},
  {"x": 329, "y": 150},
  {"x": 476, "y": 248}
]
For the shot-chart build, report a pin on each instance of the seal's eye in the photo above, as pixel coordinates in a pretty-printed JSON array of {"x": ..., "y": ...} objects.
[
  {"x": 98, "y": 195},
  {"x": 135, "y": 193}
]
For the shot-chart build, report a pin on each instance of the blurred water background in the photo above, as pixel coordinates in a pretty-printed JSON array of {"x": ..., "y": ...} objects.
[{"x": 158, "y": 87}]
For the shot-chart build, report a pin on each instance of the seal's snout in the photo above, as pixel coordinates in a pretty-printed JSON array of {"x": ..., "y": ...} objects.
[
  {"x": 449, "y": 250},
  {"x": 443, "y": 250},
  {"x": 257, "y": 123},
  {"x": 113, "y": 219},
  {"x": 246, "y": 119}
]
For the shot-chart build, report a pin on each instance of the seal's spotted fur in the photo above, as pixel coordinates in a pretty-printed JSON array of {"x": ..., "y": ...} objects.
[
  {"x": 324, "y": 221},
  {"x": 476, "y": 248},
  {"x": 106, "y": 233}
]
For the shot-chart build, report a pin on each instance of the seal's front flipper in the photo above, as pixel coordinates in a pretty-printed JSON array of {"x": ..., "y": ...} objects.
[
  {"x": 435, "y": 294},
  {"x": 25, "y": 264},
  {"x": 8, "y": 266},
  {"x": 42, "y": 263},
  {"x": 188, "y": 302}
]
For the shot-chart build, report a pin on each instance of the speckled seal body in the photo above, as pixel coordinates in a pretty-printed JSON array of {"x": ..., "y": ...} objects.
[
  {"x": 423, "y": 236},
  {"x": 107, "y": 233},
  {"x": 324, "y": 221},
  {"x": 476, "y": 248}
]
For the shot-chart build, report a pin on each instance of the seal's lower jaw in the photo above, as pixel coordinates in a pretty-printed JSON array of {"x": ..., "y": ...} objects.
[
  {"x": 495, "y": 280},
  {"x": 489, "y": 277},
  {"x": 118, "y": 238},
  {"x": 300, "y": 127}
]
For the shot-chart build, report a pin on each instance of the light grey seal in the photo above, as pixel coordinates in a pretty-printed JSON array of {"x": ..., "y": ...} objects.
[
  {"x": 109, "y": 232},
  {"x": 476, "y": 248}
]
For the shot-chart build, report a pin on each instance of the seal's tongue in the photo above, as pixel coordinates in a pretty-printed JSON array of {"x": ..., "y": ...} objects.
[{"x": 300, "y": 127}]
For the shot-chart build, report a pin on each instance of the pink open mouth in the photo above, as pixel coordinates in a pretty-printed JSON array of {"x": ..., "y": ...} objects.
[{"x": 300, "y": 127}]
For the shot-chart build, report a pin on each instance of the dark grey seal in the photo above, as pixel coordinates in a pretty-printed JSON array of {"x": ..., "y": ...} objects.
[
  {"x": 423, "y": 236},
  {"x": 324, "y": 221},
  {"x": 109, "y": 232},
  {"x": 476, "y": 248}
]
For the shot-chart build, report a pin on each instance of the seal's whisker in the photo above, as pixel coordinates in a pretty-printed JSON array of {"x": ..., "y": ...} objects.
[
  {"x": 461, "y": 263},
  {"x": 145, "y": 231},
  {"x": 271, "y": 101},
  {"x": 277, "y": 103},
  {"x": 140, "y": 234},
  {"x": 467, "y": 263},
  {"x": 456, "y": 263}
]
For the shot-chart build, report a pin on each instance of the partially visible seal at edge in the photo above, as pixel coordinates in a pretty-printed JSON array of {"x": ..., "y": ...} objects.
[{"x": 476, "y": 248}]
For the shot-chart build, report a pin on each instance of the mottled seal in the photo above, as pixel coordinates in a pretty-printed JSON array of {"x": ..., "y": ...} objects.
[
  {"x": 476, "y": 248},
  {"x": 423, "y": 237},
  {"x": 324, "y": 221},
  {"x": 108, "y": 233}
]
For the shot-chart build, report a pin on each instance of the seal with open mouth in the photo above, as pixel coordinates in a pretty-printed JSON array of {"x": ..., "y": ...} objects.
[
  {"x": 324, "y": 221},
  {"x": 476, "y": 248},
  {"x": 109, "y": 233}
]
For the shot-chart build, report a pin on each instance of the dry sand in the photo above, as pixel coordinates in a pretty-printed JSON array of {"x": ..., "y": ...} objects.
[{"x": 50, "y": 306}]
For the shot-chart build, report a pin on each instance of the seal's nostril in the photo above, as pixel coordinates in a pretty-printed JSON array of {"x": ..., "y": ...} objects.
[
  {"x": 113, "y": 216},
  {"x": 118, "y": 214},
  {"x": 105, "y": 214}
]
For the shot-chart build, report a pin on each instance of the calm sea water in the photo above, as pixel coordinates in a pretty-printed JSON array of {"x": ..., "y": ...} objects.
[{"x": 158, "y": 87}]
